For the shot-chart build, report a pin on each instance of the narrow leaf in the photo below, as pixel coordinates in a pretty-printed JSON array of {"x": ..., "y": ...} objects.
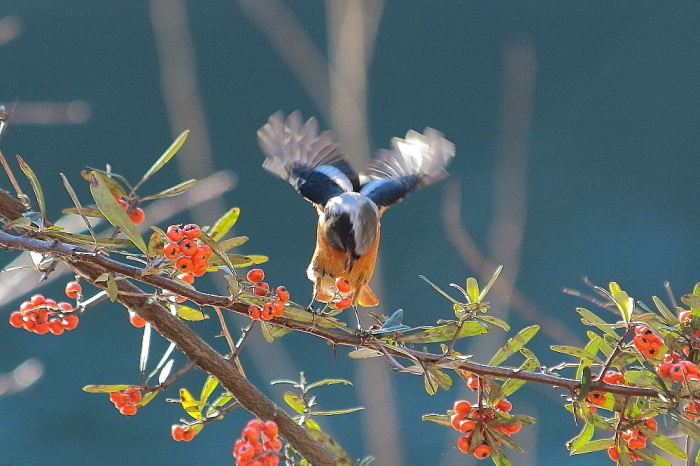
[
  {"x": 669, "y": 316},
  {"x": 436, "y": 288},
  {"x": 163, "y": 159},
  {"x": 495, "y": 321},
  {"x": 224, "y": 224},
  {"x": 595, "y": 445},
  {"x": 327, "y": 382},
  {"x": 171, "y": 191},
  {"x": 294, "y": 402},
  {"x": 232, "y": 242},
  {"x": 445, "y": 333},
  {"x": 488, "y": 286},
  {"x": 112, "y": 288},
  {"x": 36, "y": 187},
  {"x": 78, "y": 205},
  {"x": 514, "y": 344},
  {"x": 208, "y": 388},
  {"x": 188, "y": 313},
  {"x": 106, "y": 388},
  {"x": 440, "y": 419},
  {"x": 472, "y": 290}
]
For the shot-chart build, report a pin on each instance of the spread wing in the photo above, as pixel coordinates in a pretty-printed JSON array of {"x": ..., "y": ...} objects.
[
  {"x": 411, "y": 163},
  {"x": 310, "y": 161}
]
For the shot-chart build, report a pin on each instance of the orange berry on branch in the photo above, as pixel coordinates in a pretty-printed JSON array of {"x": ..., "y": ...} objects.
[
  {"x": 279, "y": 308},
  {"x": 137, "y": 216},
  {"x": 174, "y": 233},
  {"x": 184, "y": 264},
  {"x": 261, "y": 289},
  {"x": 171, "y": 251},
  {"x": 282, "y": 293},
  {"x": 73, "y": 289},
  {"x": 343, "y": 303},
  {"x": 343, "y": 285},
  {"x": 192, "y": 230},
  {"x": 188, "y": 247},
  {"x": 268, "y": 311},
  {"x": 255, "y": 275},
  {"x": 482, "y": 452}
]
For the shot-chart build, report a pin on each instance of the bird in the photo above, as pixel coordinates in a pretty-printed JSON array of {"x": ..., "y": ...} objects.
[{"x": 349, "y": 205}]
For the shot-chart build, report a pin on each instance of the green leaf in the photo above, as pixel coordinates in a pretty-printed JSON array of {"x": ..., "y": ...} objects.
[
  {"x": 514, "y": 344},
  {"x": 669, "y": 316},
  {"x": 171, "y": 191},
  {"x": 362, "y": 353},
  {"x": 163, "y": 159},
  {"x": 112, "y": 288},
  {"x": 324, "y": 439},
  {"x": 190, "y": 405},
  {"x": 232, "y": 242},
  {"x": 444, "y": 333},
  {"x": 106, "y": 388},
  {"x": 623, "y": 301},
  {"x": 472, "y": 290},
  {"x": 503, "y": 438},
  {"x": 495, "y": 321},
  {"x": 436, "y": 288},
  {"x": 188, "y": 313},
  {"x": 147, "y": 398},
  {"x": 488, "y": 286},
  {"x": 440, "y": 419},
  {"x": 271, "y": 331},
  {"x": 589, "y": 318},
  {"x": 512, "y": 385},
  {"x": 99, "y": 188},
  {"x": 36, "y": 187},
  {"x": 75, "y": 238},
  {"x": 435, "y": 379},
  {"x": 224, "y": 224},
  {"x": 663, "y": 442},
  {"x": 337, "y": 411},
  {"x": 294, "y": 402},
  {"x": 689, "y": 427},
  {"x": 327, "y": 382},
  {"x": 594, "y": 445},
  {"x": 691, "y": 300},
  {"x": 573, "y": 351},
  {"x": 208, "y": 388},
  {"x": 78, "y": 205},
  {"x": 87, "y": 211}
]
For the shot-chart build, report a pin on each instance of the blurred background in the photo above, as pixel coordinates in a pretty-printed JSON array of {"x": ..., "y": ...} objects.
[{"x": 576, "y": 127}]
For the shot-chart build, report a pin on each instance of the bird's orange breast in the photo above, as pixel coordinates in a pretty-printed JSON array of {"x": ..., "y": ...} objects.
[{"x": 328, "y": 263}]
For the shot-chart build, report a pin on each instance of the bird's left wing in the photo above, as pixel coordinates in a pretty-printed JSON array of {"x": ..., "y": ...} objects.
[
  {"x": 310, "y": 161},
  {"x": 412, "y": 163}
]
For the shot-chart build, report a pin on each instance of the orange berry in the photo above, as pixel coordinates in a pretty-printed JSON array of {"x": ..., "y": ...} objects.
[
  {"x": 184, "y": 264},
  {"x": 613, "y": 377},
  {"x": 473, "y": 382},
  {"x": 41, "y": 328},
  {"x": 70, "y": 321},
  {"x": 202, "y": 254},
  {"x": 188, "y": 247},
  {"x": 482, "y": 452},
  {"x": 463, "y": 444},
  {"x": 56, "y": 326},
  {"x": 342, "y": 285},
  {"x": 133, "y": 395},
  {"x": 513, "y": 428},
  {"x": 171, "y": 251},
  {"x": 16, "y": 319},
  {"x": 279, "y": 308},
  {"x": 250, "y": 434},
  {"x": 462, "y": 407},
  {"x": 504, "y": 405},
  {"x": 200, "y": 269},
  {"x": 254, "y": 312},
  {"x": 122, "y": 203},
  {"x": 192, "y": 230},
  {"x": 117, "y": 398},
  {"x": 261, "y": 289},
  {"x": 137, "y": 216},
  {"x": 268, "y": 311},
  {"x": 128, "y": 410},
  {"x": 282, "y": 293},
  {"x": 136, "y": 320},
  {"x": 174, "y": 233},
  {"x": 185, "y": 277},
  {"x": 176, "y": 432},
  {"x": 343, "y": 303},
  {"x": 271, "y": 430},
  {"x": 255, "y": 275},
  {"x": 637, "y": 443},
  {"x": 614, "y": 453},
  {"x": 37, "y": 299},
  {"x": 73, "y": 289},
  {"x": 650, "y": 422},
  {"x": 187, "y": 433},
  {"x": 685, "y": 317},
  {"x": 597, "y": 398}
]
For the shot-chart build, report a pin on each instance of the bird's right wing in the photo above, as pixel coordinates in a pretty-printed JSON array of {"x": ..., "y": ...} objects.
[
  {"x": 413, "y": 162},
  {"x": 310, "y": 161}
]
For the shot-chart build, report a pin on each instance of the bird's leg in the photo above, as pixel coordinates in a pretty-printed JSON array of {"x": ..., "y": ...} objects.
[{"x": 357, "y": 316}]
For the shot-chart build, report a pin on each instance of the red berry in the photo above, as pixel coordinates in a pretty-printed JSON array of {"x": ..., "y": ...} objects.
[
  {"x": 73, "y": 289},
  {"x": 614, "y": 453},
  {"x": 482, "y": 452},
  {"x": 504, "y": 405},
  {"x": 37, "y": 299},
  {"x": 255, "y": 275},
  {"x": 254, "y": 312},
  {"x": 187, "y": 433},
  {"x": 41, "y": 328},
  {"x": 188, "y": 247},
  {"x": 270, "y": 429},
  {"x": 279, "y": 308},
  {"x": 128, "y": 410},
  {"x": 637, "y": 443},
  {"x": 342, "y": 285},
  {"x": 137, "y": 216},
  {"x": 256, "y": 424},
  {"x": 136, "y": 320},
  {"x": 56, "y": 326},
  {"x": 174, "y": 233},
  {"x": 133, "y": 395},
  {"x": 176, "y": 432},
  {"x": 184, "y": 264},
  {"x": 70, "y": 321},
  {"x": 16, "y": 319},
  {"x": 200, "y": 269},
  {"x": 268, "y": 311},
  {"x": 186, "y": 277},
  {"x": 273, "y": 444},
  {"x": 343, "y": 303},
  {"x": 463, "y": 443},
  {"x": 202, "y": 254},
  {"x": 261, "y": 289},
  {"x": 462, "y": 407},
  {"x": 650, "y": 422},
  {"x": 192, "y": 230},
  {"x": 171, "y": 251},
  {"x": 282, "y": 293},
  {"x": 122, "y": 203}
]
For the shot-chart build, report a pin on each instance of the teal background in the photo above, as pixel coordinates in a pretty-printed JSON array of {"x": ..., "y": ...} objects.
[{"x": 612, "y": 190}]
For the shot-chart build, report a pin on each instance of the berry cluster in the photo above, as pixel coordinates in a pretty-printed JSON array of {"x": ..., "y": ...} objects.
[
  {"x": 126, "y": 401},
  {"x": 182, "y": 432},
  {"x": 270, "y": 309},
  {"x": 674, "y": 367},
  {"x": 136, "y": 214},
  {"x": 258, "y": 444},
  {"x": 41, "y": 315},
  {"x": 183, "y": 247},
  {"x": 633, "y": 438},
  {"x": 467, "y": 419},
  {"x": 646, "y": 341}
]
